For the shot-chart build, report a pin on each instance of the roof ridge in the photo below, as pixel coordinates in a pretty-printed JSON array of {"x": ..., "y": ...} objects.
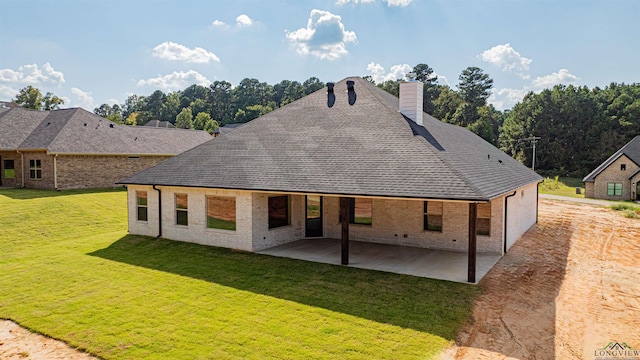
[
  {"x": 600, "y": 168},
  {"x": 73, "y": 113}
]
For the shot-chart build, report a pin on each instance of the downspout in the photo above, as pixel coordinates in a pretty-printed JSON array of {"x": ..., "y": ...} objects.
[
  {"x": 159, "y": 211},
  {"x": 506, "y": 214},
  {"x": 21, "y": 168},
  {"x": 55, "y": 171}
]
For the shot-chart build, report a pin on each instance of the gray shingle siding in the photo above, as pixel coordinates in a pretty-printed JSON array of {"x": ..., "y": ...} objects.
[{"x": 365, "y": 149}]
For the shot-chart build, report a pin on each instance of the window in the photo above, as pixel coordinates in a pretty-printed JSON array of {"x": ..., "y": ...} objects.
[
  {"x": 433, "y": 215},
  {"x": 614, "y": 189},
  {"x": 278, "y": 211},
  {"x": 35, "y": 169},
  {"x": 141, "y": 203},
  {"x": 623, "y": 167},
  {"x": 360, "y": 211},
  {"x": 9, "y": 169},
  {"x": 182, "y": 209},
  {"x": 221, "y": 212},
  {"x": 483, "y": 219}
]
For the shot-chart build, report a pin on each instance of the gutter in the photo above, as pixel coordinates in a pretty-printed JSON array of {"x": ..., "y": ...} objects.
[
  {"x": 55, "y": 171},
  {"x": 159, "y": 211},
  {"x": 506, "y": 214}
]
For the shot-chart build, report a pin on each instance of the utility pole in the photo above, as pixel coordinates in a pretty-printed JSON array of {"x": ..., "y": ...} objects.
[{"x": 534, "y": 140}]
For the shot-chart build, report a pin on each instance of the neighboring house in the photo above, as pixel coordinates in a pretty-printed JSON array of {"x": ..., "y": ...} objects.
[
  {"x": 618, "y": 177},
  {"x": 160, "y": 124},
  {"x": 379, "y": 170},
  {"x": 74, "y": 148}
]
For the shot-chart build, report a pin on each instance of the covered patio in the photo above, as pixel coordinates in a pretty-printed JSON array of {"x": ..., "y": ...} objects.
[{"x": 435, "y": 264}]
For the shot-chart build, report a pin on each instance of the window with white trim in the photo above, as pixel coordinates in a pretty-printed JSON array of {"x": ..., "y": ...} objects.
[
  {"x": 483, "y": 219},
  {"x": 221, "y": 212},
  {"x": 141, "y": 204},
  {"x": 614, "y": 189},
  {"x": 182, "y": 209},
  {"x": 433, "y": 215},
  {"x": 35, "y": 169}
]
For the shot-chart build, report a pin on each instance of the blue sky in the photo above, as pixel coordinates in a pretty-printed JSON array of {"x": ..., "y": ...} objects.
[{"x": 94, "y": 52}]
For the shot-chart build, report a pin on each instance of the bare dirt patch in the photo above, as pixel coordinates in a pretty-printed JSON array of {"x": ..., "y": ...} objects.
[
  {"x": 19, "y": 343},
  {"x": 567, "y": 288}
]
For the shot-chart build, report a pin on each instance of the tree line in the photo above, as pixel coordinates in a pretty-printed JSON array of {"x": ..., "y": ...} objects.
[{"x": 578, "y": 127}]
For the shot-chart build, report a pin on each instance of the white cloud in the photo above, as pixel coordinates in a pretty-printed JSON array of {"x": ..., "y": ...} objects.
[
  {"x": 507, "y": 59},
  {"x": 7, "y": 93},
  {"x": 85, "y": 98},
  {"x": 324, "y": 36},
  {"x": 401, "y": 3},
  {"x": 113, "y": 102},
  {"x": 343, "y": 2},
  {"x": 173, "y": 51},
  {"x": 176, "y": 80},
  {"x": 31, "y": 75},
  {"x": 244, "y": 20},
  {"x": 218, "y": 23},
  {"x": 563, "y": 76},
  {"x": 379, "y": 75},
  {"x": 506, "y": 98}
]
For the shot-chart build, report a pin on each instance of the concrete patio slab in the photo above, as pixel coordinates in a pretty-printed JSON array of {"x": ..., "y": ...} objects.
[{"x": 435, "y": 264}]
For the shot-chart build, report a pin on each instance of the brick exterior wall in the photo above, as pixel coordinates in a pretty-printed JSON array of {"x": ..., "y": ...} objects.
[
  {"x": 74, "y": 171},
  {"x": 16, "y": 181},
  {"x": 400, "y": 222},
  {"x": 614, "y": 174},
  {"x": 588, "y": 190},
  {"x": 635, "y": 194},
  {"x": 46, "y": 161},
  {"x": 79, "y": 171},
  {"x": 396, "y": 222}
]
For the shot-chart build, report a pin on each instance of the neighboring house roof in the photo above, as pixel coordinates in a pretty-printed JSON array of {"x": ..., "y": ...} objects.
[
  {"x": 160, "y": 124},
  {"x": 368, "y": 149},
  {"x": 630, "y": 150},
  {"x": 77, "y": 131}
]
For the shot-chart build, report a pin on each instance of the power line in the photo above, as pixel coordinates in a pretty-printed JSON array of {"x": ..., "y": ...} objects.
[{"x": 534, "y": 140}]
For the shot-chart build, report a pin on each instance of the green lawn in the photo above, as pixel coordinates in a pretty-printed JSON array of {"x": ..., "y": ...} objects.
[
  {"x": 69, "y": 270},
  {"x": 562, "y": 187}
]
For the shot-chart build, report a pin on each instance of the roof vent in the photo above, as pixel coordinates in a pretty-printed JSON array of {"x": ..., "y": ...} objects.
[
  {"x": 411, "y": 100},
  {"x": 331, "y": 97},
  {"x": 351, "y": 91},
  {"x": 111, "y": 126}
]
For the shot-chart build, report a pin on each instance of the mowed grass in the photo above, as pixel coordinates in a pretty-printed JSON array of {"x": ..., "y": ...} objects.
[
  {"x": 562, "y": 187},
  {"x": 69, "y": 270}
]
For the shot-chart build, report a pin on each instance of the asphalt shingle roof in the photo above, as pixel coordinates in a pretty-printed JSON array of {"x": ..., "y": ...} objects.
[
  {"x": 77, "y": 131},
  {"x": 365, "y": 149},
  {"x": 631, "y": 150}
]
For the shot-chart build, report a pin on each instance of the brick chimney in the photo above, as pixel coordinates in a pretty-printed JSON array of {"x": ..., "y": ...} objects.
[{"x": 411, "y": 100}]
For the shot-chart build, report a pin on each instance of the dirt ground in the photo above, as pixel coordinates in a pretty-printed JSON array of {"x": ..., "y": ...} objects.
[
  {"x": 565, "y": 290},
  {"x": 20, "y": 343}
]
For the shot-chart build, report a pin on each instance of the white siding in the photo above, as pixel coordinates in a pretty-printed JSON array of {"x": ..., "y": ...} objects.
[
  {"x": 395, "y": 222},
  {"x": 196, "y": 231},
  {"x": 263, "y": 237},
  {"x": 522, "y": 213}
]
